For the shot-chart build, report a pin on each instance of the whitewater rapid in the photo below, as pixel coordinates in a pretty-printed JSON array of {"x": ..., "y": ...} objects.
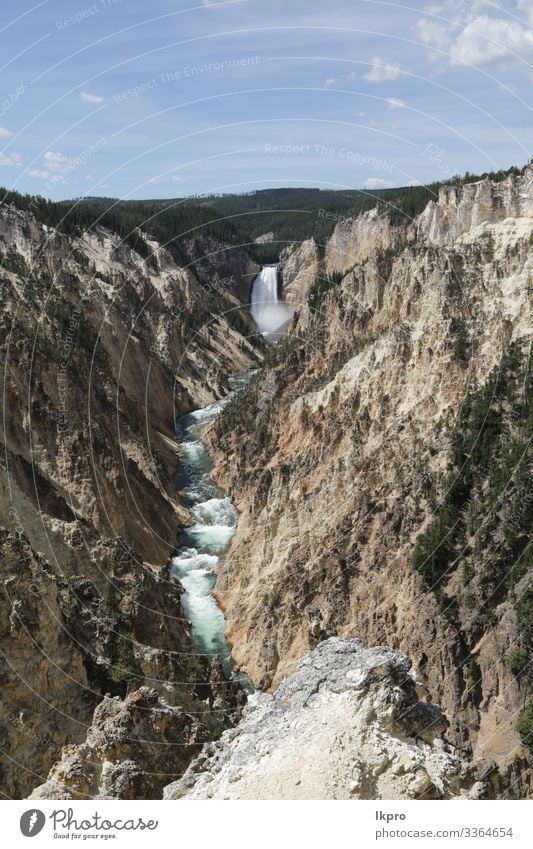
[
  {"x": 214, "y": 524},
  {"x": 214, "y": 517}
]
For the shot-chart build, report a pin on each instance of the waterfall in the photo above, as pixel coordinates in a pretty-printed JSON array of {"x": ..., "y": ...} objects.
[{"x": 268, "y": 312}]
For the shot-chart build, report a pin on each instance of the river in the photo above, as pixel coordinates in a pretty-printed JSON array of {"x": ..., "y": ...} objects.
[
  {"x": 214, "y": 523},
  {"x": 214, "y": 517}
]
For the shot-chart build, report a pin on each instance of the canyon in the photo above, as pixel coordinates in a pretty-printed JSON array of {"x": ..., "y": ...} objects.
[
  {"x": 340, "y": 456},
  {"x": 101, "y": 353},
  {"x": 378, "y": 462}
]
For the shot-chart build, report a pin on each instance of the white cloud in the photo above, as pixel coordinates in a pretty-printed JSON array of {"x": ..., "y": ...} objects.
[
  {"x": 5, "y": 134},
  {"x": 342, "y": 78},
  {"x": 381, "y": 71},
  {"x": 525, "y": 6},
  {"x": 55, "y": 161},
  {"x": 15, "y": 159},
  {"x": 434, "y": 34},
  {"x": 459, "y": 8},
  {"x": 485, "y": 40},
  {"x": 55, "y": 166},
  {"x": 172, "y": 179},
  {"x": 43, "y": 174},
  {"x": 396, "y": 103},
  {"x": 377, "y": 183},
  {"x": 480, "y": 38},
  {"x": 87, "y": 97}
]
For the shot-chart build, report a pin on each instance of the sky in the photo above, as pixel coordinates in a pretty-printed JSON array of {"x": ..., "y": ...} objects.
[{"x": 170, "y": 98}]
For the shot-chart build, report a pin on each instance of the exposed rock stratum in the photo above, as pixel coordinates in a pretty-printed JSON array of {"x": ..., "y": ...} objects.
[{"x": 348, "y": 724}]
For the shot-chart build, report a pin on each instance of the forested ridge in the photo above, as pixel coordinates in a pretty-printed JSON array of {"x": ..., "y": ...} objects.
[{"x": 287, "y": 215}]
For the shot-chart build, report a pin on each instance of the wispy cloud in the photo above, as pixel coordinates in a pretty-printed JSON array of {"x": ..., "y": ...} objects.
[
  {"x": 396, "y": 103},
  {"x": 55, "y": 161},
  {"x": 4, "y": 133},
  {"x": 479, "y": 39},
  {"x": 213, "y": 3},
  {"x": 485, "y": 40},
  {"x": 43, "y": 174},
  {"x": 329, "y": 82},
  {"x": 87, "y": 97},
  {"x": 15, "y": 159},
  {"x": 525, "y": 6},
  {"x": 172, "y": 179},
  {"x": 382, "y": 72},
  {"x": 55, "y": 166},
  {"x": 434, "y": 34},
  {"x": 377, "y": 183}
]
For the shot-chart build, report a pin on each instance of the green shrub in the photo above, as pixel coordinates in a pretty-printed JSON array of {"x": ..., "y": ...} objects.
[
  {"x": 516, "y": 661},
  {"x": 125, "y": 668},
  {"x": 524, "y": 725},
  {"x": 488, "y": 476},
  {"x": 462, "y": 347}
]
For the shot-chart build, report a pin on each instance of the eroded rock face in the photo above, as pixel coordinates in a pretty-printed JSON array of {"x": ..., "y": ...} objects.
[
  {"x": 337, "y": 460},
  {"x": 223, "y": 269},
  {"x": 356, "y": 239},
  {"x": 131, "y": 748},
  {"x": 347, "y": 725},
  {"x": 113, "y": 350},
  {"x": 45, "y": 694},
  {"x": 101, "y": 352},
  {"x": 461, "y": 208},
  {"x": 299, "y": 267}
]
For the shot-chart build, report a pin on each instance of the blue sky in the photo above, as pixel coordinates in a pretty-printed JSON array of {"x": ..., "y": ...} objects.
[{"x": 170, "y": 98}]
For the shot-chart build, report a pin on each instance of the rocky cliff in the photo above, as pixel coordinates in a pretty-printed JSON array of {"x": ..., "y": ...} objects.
[
  {"x": 460, "y": 209},
  {"x": 299, "y": 268},
  {"x": 381, "y": 467},
  {"x": 102, "y": 349},
  {"x": 133, "y": 747},
  {"x": 347, "y": 725},
  {"x": 356, "y": 239}
]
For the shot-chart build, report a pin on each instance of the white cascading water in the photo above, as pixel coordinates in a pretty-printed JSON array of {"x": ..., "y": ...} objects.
[
  {"x": 269, "y": 313},
  {"x": 214, "y": 517},
  {"x": 201, "y": 544}
]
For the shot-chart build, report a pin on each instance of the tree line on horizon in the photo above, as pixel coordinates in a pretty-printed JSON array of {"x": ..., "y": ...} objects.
[{"x": 284, "y": 215}]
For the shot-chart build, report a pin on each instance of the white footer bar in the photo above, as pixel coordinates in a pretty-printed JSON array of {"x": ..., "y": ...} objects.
[{"x": 268, "y": 825}]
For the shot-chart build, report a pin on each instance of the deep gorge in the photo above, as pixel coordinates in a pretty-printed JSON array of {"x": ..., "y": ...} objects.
[{"x": 344, "y": 456}]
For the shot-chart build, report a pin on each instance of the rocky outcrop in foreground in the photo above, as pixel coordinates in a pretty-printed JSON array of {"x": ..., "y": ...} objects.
[
  {"x": 132, "y": 747},
  {"x": 347, "y": 725},
  {"x": 135, "y": 745}
]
